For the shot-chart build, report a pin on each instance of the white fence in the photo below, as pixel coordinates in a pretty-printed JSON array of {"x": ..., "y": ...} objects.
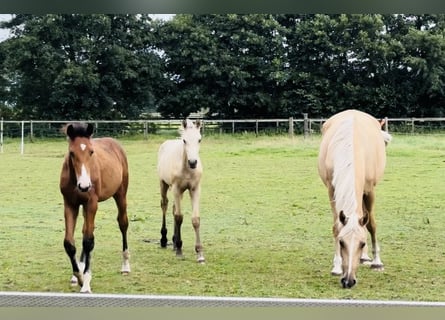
[{"x": 35, "y": 129}]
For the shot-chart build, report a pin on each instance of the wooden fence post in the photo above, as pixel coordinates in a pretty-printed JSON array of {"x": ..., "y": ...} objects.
[
  {"x": 291, "y": 127},
  {"x": 1, "y": 136},
  {"x": 31, "y": 131},
  {"x": 305, "y": 125}
]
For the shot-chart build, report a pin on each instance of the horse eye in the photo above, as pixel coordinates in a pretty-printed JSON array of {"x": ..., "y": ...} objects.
[
  {"x": 199, "y": 141},
  {"x": 183, "y": 140},
  {"x": 342, "y": 243},
  {"x": 91, "y": 152},
  {"x": 362, "y": 244}
]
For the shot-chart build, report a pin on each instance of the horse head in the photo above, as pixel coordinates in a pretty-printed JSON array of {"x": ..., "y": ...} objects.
[
  {"x": 351, "y": 239},
  {"x": 191, "y": 137},
  {"x": 80, "y": 153}
]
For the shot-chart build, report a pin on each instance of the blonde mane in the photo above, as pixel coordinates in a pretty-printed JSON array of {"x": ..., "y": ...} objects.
[{"x": 344, "y": 171}]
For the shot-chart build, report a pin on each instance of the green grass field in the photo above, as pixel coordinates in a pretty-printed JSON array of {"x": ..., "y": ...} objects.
[{"x": 265, "y": 223}]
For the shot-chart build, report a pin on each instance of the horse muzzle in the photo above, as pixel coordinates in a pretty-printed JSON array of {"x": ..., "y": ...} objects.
[
  {"x": 192, "y": 164},
  {"x": 84, "y": 187},
  {"x": 348, "y": 282}
]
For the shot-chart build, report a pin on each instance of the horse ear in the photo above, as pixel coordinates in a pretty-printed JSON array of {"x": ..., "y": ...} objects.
[
  {"x": 90, "y": 129},
  {"x": 184, "y": 123},
  {"x": 382, "y": 122},
  {"x": 343, "y": 219},
  {"x": 198, "y": 124},
  {"x": 70, "y": 131}
]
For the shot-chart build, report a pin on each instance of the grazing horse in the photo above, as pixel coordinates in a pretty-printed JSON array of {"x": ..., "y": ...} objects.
[
  {"x": 93, "y": 170},
  {"x": 351, "y": 161},
  {"x": 180, "y": 168}
]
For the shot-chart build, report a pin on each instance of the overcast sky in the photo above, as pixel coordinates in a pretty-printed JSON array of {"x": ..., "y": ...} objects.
[{"x": 4, "y": 33}]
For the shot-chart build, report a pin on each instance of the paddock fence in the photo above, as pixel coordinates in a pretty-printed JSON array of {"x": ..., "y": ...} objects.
[{"x": 30, "y": 130}]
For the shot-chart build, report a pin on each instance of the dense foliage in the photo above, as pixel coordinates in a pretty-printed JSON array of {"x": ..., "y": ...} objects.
[{"x": 74, "y": 66}]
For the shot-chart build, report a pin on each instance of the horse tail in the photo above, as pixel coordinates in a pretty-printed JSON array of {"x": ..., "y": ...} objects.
[{"x": 386, "y": 137}]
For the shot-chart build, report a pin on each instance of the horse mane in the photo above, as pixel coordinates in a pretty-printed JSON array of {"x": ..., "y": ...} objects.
[
  {"x": 188, "y": 124},
  {"x": 77, "y": 129},
  {"x": 344, "y": 174}
]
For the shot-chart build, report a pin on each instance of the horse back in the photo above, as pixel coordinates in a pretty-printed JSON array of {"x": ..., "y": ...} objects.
[{"x": 368, "y": 147}]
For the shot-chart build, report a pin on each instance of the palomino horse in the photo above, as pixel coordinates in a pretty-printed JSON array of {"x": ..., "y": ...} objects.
[
  {"x": 180, "y": 168},
  {"x": 351, "y": 161},
  {"x": 93, "y": 170}
]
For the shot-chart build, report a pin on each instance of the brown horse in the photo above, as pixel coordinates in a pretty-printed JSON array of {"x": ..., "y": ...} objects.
[
  {"x": 93, "y": 170},
  {"x": 180, "y": 168},
  {"x": 351, "y": 161}
]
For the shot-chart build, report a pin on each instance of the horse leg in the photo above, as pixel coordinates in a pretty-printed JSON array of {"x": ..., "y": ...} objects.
[
  {"x": 122, "y": 219},
  {"x": 194, "y": 196},
  {"x": 71, "y": 214},
  {"x": 337, "y": 260},
  {"x": 364, "y": 258},
  {"x": 88, "y": 243},
  {"x": 178, "y": 217},
  {"x": 376, "y": 263},
  {"x": 164, "y": 205}
]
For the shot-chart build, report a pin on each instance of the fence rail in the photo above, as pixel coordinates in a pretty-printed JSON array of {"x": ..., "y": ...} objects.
[
  {"x": 34, "y": 129},
  {"x": 47, "y": 299}
]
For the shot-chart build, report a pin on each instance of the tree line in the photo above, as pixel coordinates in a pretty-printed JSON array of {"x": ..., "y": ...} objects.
[{"x": 228, "y": 66}]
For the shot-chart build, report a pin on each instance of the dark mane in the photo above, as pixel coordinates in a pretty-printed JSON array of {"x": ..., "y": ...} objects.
[{"x": 78, "y": 129}]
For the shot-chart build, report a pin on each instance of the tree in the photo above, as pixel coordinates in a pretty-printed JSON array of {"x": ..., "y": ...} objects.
[
  {"x": 226, "y": 64},
  {"x": 231, "y": 66},
  {"x": 75, "y": 66}
]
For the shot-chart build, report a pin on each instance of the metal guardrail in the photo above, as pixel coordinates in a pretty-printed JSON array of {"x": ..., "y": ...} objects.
[{"x": 40, "y": 299}]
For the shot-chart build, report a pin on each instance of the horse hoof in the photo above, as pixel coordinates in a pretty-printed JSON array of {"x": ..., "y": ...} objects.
[
  {"x": 86, "y": 291},
  {"x": 201, "y": 260},
  {"x": 125, "y": 273},
  {"x": 73, "y": 281},
  {"x": 365, "y": 261},
  {"x": 334, "y": 273},
  {"x": 377, "y": 267},
  {"x": 180, "y": 256}
]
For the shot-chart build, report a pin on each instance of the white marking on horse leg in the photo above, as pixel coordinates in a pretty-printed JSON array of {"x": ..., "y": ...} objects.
[
  {"x": 77, "y": 278},
  {"x": 86, "y": 288},
  {"x": 337, "y": 270},
  {"x": 365, "y": 259},
  {"x": 376, "y": 263},
  {"x": 198, "y": 245},
  {"x": 126, "y": 262}
]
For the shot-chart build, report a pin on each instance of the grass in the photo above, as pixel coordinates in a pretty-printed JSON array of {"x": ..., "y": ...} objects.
[{"x": 265, "y": 223}]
